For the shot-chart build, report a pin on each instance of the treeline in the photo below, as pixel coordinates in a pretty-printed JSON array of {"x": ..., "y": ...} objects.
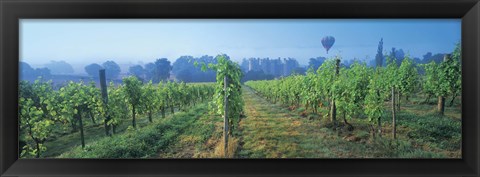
[
  {"x": 344, "y": 93},
  {"x": 183, "y": 68},
  {"x": 43, "y": 109}
]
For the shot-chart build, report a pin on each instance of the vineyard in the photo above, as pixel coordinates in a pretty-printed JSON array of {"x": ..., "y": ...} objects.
[{"x": 398, "y": 110}]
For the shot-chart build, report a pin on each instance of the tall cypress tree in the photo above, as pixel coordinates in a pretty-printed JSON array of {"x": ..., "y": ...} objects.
[{"x": 379, "y": 57}]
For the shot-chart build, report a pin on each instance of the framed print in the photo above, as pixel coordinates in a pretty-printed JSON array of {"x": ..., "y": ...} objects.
[{"x": 244, "y": 88}]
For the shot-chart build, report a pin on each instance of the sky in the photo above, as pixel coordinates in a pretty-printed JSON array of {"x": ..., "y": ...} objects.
[{"x": 137, "y": 41}]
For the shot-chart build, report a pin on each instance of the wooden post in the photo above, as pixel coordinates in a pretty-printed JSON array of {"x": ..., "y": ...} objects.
[
  {"x": 333, "y": 111},
  {"x": 379, "y": 121},
  {"x": 134, "y": 123},
  {"x": 441, "y": 99},
  {"x": 225, "y": 117},
  {"x": 79, "y": 117},
  {"x": 103, "y": 86},
  {"x": 393, "y": 114}
]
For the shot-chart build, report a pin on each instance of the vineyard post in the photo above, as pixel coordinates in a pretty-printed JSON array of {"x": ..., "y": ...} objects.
[
  {"x": 79, "y": 117},
  {"x": 103, "y": 85},
  {"x": 393, "y": 114},
  {"x": 441, "y": 98},
  {"x": 333, "y": 113},
  {"x": 225, "y": 117}
]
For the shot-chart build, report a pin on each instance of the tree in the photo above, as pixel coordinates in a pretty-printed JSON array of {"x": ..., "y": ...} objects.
[
  {"x": 26, "y": 71},
  {"x": 299, "y": 70},
  {"x": 162, "y": 70},
  {"x": 184, "y": 63},
  {"x": 92, "y": 70},
  {"x": 112, "y": 70},
  {"x": 149, "y": 71},
  {"x": 379, "y": 57},
  {"x": 437, "y": 58},
  {"x": 59, "y": 67},
  {"x": 137, "y": 70},
  {"x": 133, "y": 92},
  {"x": 256, "y": 75},
  {"x": 184, "y": 69},
  {"x": 43, "y": 72},
  {"x": 184, "y": 75},
  {"x": 427, "y": 56},
  {"x": 397, "y": 55},
  {"x": 315, "y": 63}
]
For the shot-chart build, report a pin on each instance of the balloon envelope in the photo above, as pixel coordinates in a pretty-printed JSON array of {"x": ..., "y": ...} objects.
[{"x": 328, "y": 42}]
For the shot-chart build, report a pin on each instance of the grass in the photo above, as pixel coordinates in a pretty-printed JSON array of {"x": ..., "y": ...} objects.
[
  {"x": 65, "y": 140},
  {"x": 272, "y": 130},
  {"x": 143, "y": 142},
  {"x": 267, "y": 131},
  {"x": 199, "y": 140}
]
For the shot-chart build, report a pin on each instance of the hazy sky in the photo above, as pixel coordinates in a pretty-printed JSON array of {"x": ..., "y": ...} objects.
[{"x": 132, "y": 41}]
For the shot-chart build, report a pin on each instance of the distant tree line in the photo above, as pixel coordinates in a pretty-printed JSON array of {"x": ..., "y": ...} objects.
[
  {"x": 27, "y": 72},
  {"x": 184, "y": 69}
]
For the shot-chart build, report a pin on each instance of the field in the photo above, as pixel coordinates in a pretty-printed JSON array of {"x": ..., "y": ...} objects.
[
  {"x": 317, "y": 115},
  {"x": 269, "y": 131}
]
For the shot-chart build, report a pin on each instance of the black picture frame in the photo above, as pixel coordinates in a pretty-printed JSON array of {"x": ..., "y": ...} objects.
[{"x": 13, "y": 10}]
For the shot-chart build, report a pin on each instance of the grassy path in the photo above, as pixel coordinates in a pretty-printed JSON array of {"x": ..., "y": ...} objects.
[
  {"x": 268, "y": 130},
  {"x": 273, "y": 131},
  {"x": 199, "y": 139}
]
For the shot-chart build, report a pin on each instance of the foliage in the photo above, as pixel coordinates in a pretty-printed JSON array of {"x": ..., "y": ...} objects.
[
  {"x": 315, "y": 63},
  {"x": 92, "y": 70},
  {"x": 374, "y": 108},
  {"x": 379, "y": 57},
  {"x": 185, "y": 70},
  {"x": 112, "y": 70},
  {"x": 137, "y": 70},
  {"x": 59, "y": 67},
  {"x": 162, "y": 70},
  {"x": 26, "y": 72},
  {"x": 37, "y": 113},
  {"x": 77, "y": 101},
  {"x": 350, "y": 91},
  {"x": 444, "y": 79},
  {"x": 407, "y": 77},
  {"x": 139, "y": 144},
  {"x": 132, "y": 88},
  {"x": 226, "y": 68}
]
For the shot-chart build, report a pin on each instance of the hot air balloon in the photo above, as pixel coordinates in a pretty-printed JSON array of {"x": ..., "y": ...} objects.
[{"x": 328, "y": 42}]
